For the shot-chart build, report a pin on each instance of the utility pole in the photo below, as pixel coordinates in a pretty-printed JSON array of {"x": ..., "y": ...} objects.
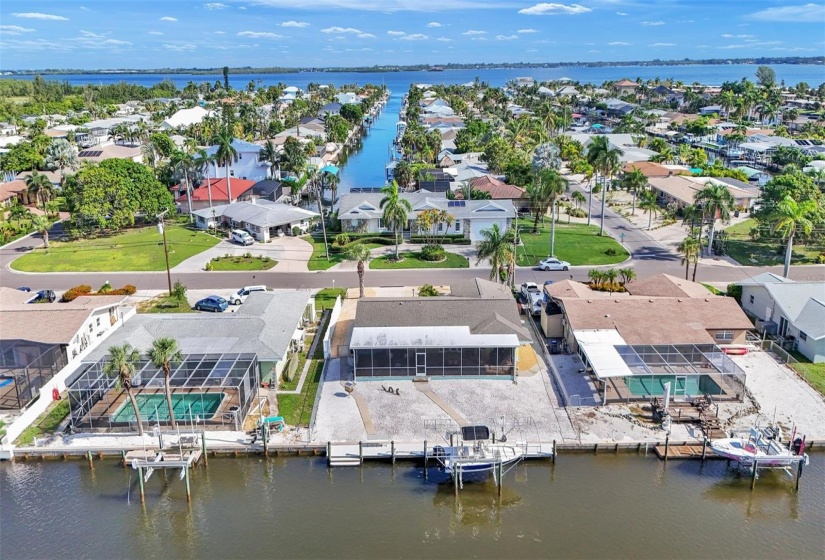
[{"x": 162, "y": 230}]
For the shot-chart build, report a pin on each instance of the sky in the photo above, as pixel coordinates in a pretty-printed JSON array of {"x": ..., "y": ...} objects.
[{"x": 135, "y": 34}]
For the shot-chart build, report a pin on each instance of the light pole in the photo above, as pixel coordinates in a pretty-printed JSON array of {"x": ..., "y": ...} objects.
[{"x": 162, "y": 230}]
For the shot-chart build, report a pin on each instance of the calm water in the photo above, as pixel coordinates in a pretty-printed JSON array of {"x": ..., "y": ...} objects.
[{"x": 605, "y": 506}]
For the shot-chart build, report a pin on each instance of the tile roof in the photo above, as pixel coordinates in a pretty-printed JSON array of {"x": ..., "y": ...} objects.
[
  {"x": 12, "y": 189},
  {"x": 219, "y": 193},
  {"x": 649, "y": 168},
  {"x": 497, "y": 189}
]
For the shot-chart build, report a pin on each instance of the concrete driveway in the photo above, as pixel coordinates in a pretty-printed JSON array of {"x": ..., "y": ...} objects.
[{"x": 292, "y": 254}]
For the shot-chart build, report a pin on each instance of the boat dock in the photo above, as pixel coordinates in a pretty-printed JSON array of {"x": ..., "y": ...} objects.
[{"x": 354, "y": 454}]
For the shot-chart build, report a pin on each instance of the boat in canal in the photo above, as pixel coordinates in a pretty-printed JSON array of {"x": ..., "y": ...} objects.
[
  {"x": 477, "y": 453},
  {"x": 762, "y": 447}
]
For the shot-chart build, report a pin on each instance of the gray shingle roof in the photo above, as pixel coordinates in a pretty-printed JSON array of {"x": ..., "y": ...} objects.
[
  {"x": 263, "y": 213},
  {"x": 792, "y": 297},
  {"x": 365, "y": 206},
  {"x": 811, "y": 319}
]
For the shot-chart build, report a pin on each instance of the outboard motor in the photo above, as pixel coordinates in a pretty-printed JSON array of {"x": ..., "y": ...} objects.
[{"x": 797, "y": 446}]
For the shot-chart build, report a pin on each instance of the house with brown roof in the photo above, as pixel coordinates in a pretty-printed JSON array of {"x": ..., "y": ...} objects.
[
  {"x": 499, "y": 190},
  {"x": 625, "y": 87},
  {"x": 682, "y": 190},
  {"x": 649, "y": 169}
]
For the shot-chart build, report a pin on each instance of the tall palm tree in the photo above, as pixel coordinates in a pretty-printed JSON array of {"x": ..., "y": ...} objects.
[
  {"x": 789, "y": 218},
  {"x": 184, "y": 165},
  {"x": 42, "y": 225},
  {"x": 331, "y": 180},
  {"x": 202, "y": 161},
  {"x": 395, "y": 210},
  {"x": 403, "y": 173},
  {"x": 225, "y": 155},
  {"x": 496, "y": 246},
  {"x": 269, "y": 153},
  {"x": 610, "y": 163},
  {"x": 717, "y": 203},
  {"x": 539, "y": 201},
  {"x": 59, "y": 155},
  {"x": 578, "y": 198},
  {"x": 311, "y": 177},
  {"x": 690, "y": 247},
  {"x": 39, "y": 186},
  {"x": 121, "y": 364},
  {"x": 650, "y": 205},
  {"x": 359, "y": 253},
  {"x": 555, "y": 185},
  {"x": 164, "y": 351},
  {"x": 634, "y": 182}
]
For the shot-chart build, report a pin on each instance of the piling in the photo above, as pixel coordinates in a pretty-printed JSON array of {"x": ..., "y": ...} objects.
[
  {"x": 264, "y": 435},
  {"x": 456, "y": 470},
  {"x": 553, "y": 459},
  {"x": 392, "y": 451},
  {"x": 329, "y": 451},
  {"x": 753, "y": 476},
  {"x": 500, "y": 477},
  {"x": 186, "y": 476},
  {"x": 89, "y": 457},
  {"x": 426, "y": 460},
  {"x": 704, "y": 447},
  {"x": 799, "y": 473},
  {"x": 361, "y": 452},
  {"x": 122, "y": 458},
  {"x": 667, "y": 445},
  {"x": 140, "y": 481},
  {"x": 203, "y": 448}
]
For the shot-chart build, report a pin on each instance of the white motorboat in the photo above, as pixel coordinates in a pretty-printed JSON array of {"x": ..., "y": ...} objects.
[
  {"x": 761, "y": 447},
  {"x": 476, "y": 452}
]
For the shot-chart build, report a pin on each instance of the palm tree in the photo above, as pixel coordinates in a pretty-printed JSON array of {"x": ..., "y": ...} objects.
[
  {"x": 164, "y": 351},
  {"x": 359, "y": 253},
  {"x": 42, "y": 225},
  {"x": 269, "y": 153},
  {"x": 331, "y": 180},
  {"x": 59, "y": 155},
  {"x": 634, "y": 182},
  {"x": 789, "y": 218},
  {"x": 627, "y": 274},
  {"x": 610, "y": 163},
  {"x": 650, "y": 205},
  {"x": 225, "y": 155},
  {"x": 184, "y": 164},
  {"x": 690, "y": 247},
  {"x": 717, "y": 203},
  {"x": 121, "y": 364},
  {"x": 39, "y": 186},
  {"x": 727, "y": 100},
  {"x": 496, "y": 246},
  {"x": 403, "y": 173},
  {"x": 539, "y": 201},
  {"x": 555, "y": 185},
  {"x": 395, "y": 211},
  {"x": 578, "y": 198},
  {"x": 202, "y": 161}
]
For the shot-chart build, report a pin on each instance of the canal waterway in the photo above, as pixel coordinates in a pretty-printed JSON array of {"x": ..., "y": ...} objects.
[{"x": 584, "y": 506}]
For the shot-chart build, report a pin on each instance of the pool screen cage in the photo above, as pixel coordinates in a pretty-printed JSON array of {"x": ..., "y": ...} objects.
[
  {"x": 693, "y": 370},
  {"x": 24, "y": 368},
  {"x": 209, "y": 391}
]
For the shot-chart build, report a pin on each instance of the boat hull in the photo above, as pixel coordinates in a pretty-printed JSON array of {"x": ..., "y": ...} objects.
[{"x": 747, "y": 454}]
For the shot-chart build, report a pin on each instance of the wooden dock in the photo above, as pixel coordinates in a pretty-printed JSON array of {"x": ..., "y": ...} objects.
[
  {"x": 354, "y": 454},
  {"x": 675, "y": 452}
]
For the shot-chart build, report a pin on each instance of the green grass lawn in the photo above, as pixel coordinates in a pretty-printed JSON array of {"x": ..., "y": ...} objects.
[
  {"x": 577, "y": 244},
  {"x": 325, "y": 299},
  {"x": 813, "y": 373},
  {"x": 318, "y": 260},
  {"x": 164, "y": 304},
  {"x": 242, "y": 263},
  {"x": 297, "y": 409},
  {"x": 410, "y": 259},
  {"x": 138, "y": 249},
  {"x": 760, "y": 253},
  {"x": 45, "y": 423}
]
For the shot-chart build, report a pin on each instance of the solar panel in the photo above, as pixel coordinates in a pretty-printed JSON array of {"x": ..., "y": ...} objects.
[
  {"x": 456, "y": 203},
  {"x": 90, "y": 153}
]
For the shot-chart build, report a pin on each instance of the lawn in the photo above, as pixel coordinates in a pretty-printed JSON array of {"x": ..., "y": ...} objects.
[
  {"x": 325, "y": 299},
  {"x": 318, "y": 260},
  {"x": 164, "y": 304},
  {"x": 242, "y": 263},
  {"x": 139, "y": 249},
  {"x": 760, "y": 253},
  {"x": 297, "y": 409},
  {"x": 45, "y": 423},
  {"x": 577, "y": 244},
  {"x": 813, "y": 373},
  {"x": 410, "y": 259}
]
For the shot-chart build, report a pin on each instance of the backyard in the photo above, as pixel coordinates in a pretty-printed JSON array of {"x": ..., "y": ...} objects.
[
  {"x": 577, "y": 244},
  {"x": 813, "y": 374},
  {"x": 139, "y": 249},
  {"x": 747, "y": 252},
  {"x": 412, "y": 259}
]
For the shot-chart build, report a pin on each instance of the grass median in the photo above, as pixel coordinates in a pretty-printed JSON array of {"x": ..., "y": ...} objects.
[
  {"x": 412, "y": 259},
  {"x": 235, "y": 263}
]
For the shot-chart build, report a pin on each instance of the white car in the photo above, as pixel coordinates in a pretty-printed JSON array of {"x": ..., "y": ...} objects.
[
  {"x": 552, "y": 263},
  {"x": 532, "y": 295},
  {"x": 240, "y": 296}
]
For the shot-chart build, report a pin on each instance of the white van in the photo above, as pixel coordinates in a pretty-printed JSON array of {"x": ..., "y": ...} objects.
[
  {"x": 240, "y": 296},
  {"x": 242, "y": 237}
]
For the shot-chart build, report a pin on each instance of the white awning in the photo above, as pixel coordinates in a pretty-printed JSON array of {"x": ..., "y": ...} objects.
[
  {"x": 428, "y": 337},
  {"x": 599, "y": 347}
]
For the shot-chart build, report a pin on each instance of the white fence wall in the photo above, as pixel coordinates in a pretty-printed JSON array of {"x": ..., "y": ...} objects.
[{"x": 333, "y": 320}]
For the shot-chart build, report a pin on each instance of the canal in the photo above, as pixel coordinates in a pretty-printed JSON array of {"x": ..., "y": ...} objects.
[{"x": 584, "y": 506}]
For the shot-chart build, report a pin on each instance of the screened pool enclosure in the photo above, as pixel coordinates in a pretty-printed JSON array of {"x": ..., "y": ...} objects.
[{"x": 208, "y": 391}]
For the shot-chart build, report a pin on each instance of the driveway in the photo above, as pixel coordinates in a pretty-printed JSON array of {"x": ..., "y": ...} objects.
[{"x": 292, "y": 254}]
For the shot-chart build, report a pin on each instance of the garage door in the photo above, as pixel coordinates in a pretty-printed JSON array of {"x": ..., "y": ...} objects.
[{"x": 476, "y": 226}]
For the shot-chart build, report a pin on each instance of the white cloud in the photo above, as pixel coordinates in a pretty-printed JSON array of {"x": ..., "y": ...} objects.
[
  {"x": 115, "y": 42},
  {"x": 386, "y": 5},
  {"x": 593, "y": 51},
  {"x": 478, "y": 38},
  {"x": 474, "y": 32},
  {"x": 336, "y": 29},
  {"x": 434, "y": 24},
  {"x": 396, "y": 33},
  {"x": 219, "y": 32},
  {"x": 38, "y": 15},
  {"x": 444, "y": 39},
  {"x": 14, "y": 29},
  {"x": 621, "y": 14},
  {"x": 366, "y": 36},
  {"x": 532, "y": 50},
  {"x": 293, "y": 23},
  {"x": 91, "y": 35},
  {"x": 180, "y": 48},
  {"x": 652, "y": 23},
  {"x": 527, "y": 31},
  {"x": 85, "y": 9},
  {"x": 730, "y": 36},
  {"x": 552, "y": 9},
  {"x": 619, "y": 44},
  {"x": 806, "y": 13},
  {"x": 260, "y": 35},
  {"x": 662, "y": 45},
  {"x": 154, "y": 33},
  {"x": 506, "y": 37},
  {"x": 415, "y": 37},
  {"x": 37, "y": 45},
  {"x": 168, "y": 18},
  {"x": 215, "y": 6}
]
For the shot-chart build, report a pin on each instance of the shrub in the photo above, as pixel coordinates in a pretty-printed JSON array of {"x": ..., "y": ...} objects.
[
  {"x": 428, "y": 290},
  {"x": 75, "y": 292},
  {"x": 611, "y": 252},
  {"x": 129, "y": 289},
  {"x": 576, "y": 213},
  {"x": 208, "y": 267},
  {"x": 433, "y": 253},
  {"x": 735, "y": 292},
  {"x": 342, "y": 239},
  {"x": 291, "y": 368},
  {"x": 179, "y": 291},
  {"x": 296, "y": 231},
  {"x": 105, "y": 288}
]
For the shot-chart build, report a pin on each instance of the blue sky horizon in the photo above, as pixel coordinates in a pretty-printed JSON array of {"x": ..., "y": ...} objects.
[{"x": 150, "y": 34}]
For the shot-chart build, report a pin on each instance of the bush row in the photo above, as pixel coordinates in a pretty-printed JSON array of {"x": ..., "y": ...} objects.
[
  {"x": 454, "y": 240},
  {"x": 335, "y": 248},
  {"x": 85, "y": 290}
]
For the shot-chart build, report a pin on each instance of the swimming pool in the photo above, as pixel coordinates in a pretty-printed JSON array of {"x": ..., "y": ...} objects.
[
  {"x": 654, "y": 385},
  {"x": 186, "y": 407}
]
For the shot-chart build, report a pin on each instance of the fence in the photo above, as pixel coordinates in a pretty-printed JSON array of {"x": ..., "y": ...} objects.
[
  {"x": 777, "y": 350},
  {"x": 333, "y": 320}
]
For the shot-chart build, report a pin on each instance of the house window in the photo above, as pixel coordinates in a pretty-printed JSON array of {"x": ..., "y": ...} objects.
[
  {"x": 724, "y": 335},
  {"x": 803, "y": 335},
  {"x": 98, "y": 321},
  {"x": 240, "y": 156},
  {"x": 440, "y": 227},
  {"x": 231, "y": 172},
  {"x": 751, "y": 299},
  {"x": 91, "y": 326},
  {"x": 458, "y": 226},
  {"x": 380, "y": 223}
]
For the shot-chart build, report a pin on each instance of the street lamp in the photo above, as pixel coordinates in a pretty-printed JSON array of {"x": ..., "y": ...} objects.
[{"x": 162, "y": 230}]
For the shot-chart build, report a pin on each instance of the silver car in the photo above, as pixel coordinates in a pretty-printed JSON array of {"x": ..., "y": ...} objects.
[{"x": 552, "y": 263}]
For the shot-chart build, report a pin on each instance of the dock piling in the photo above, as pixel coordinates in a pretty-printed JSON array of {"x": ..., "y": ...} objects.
[
  {"x": 140, "y": 482},
  {"x": 799, "y": 474},
  {"x": 555, "y": 450},
  {"x": 500, "y": 477},
  {"x": 203, "y": 448},
  {"x": 667, "y": 446},
  {"x": 89, "y": 457},
  {"x": 426, "y": 460},
  {"x": 186, "y": 476},
  {"x": 753, "y": 476},
  {"x": 361, "y": 452},
  {"x": 392, "y": 451},
  {"x": 704, "y": 447}
]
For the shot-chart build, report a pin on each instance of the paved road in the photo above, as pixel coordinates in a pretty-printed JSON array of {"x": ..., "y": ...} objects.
[{"x": 648, "y": 257}]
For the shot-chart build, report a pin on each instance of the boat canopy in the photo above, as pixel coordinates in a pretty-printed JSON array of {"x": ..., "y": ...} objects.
[{"x": 475, "y": 433}]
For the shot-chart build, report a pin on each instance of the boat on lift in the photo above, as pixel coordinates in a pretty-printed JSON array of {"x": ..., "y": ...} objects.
[
  {"x": 477, "y": 452},
  {"x": 762, "y": 447}
]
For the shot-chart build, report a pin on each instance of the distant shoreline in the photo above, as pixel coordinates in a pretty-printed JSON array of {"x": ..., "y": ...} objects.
[{"x": 814, "y": 60}]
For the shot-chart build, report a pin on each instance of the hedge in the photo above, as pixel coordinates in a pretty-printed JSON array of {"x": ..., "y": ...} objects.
[
  {"x": 440, "y": 241},
  {"x": 84, "y": 290},
  {"x": 335, "y": 248},
  {"x": 353, "y": 236}
]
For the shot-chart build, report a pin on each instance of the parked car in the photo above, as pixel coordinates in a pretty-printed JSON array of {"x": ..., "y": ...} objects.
[
  {"x": 24, "y": 289},
  {"x": 240, "y": 296},
  {"x": 552, "y": 263},
  {"x": 212, "y": 303},
  {"x": 44, "y": 296},
  {"x": 241, "y": 237},
  {"x": 532, "y": 295}
]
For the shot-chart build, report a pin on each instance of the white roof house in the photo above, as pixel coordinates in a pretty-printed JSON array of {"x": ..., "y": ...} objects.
[
  {"x": 261, "y": 218},
  {"x": 184, "y": 118}
]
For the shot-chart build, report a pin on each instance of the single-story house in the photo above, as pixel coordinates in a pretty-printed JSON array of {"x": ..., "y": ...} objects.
[
  {"x": 362, "y": 212},
  {"x": 184, "y": 118},
  {"x": 474, "y": 332},
  {"x": 263, "y": 219},
  {"x": 211, "y": 192},
  {"x": 682, "y": 190},
  {"x": 330, "y": 109},
  {"x": 499, "y": 190},
  {"x": 793, "y": 311},
  {"x": 102, "y": 152},
  {"x": 755, "y": 176},
  {"x": 649, "y": 169},
  {"x": 13, "y": 190}
]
